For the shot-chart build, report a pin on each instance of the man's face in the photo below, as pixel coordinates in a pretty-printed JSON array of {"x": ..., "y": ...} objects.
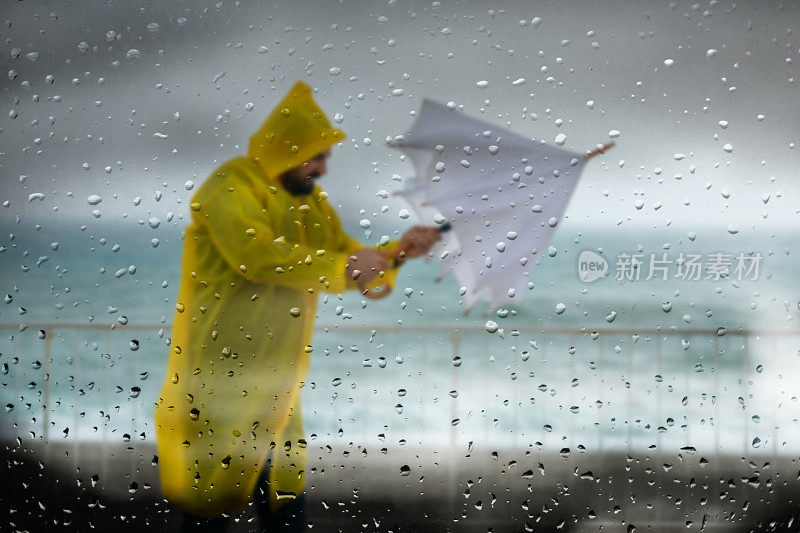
[{"x": 300, "y": 180}]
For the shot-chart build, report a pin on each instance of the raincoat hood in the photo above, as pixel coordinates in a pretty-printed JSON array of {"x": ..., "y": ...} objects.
[{"x": 294, "y": 132}]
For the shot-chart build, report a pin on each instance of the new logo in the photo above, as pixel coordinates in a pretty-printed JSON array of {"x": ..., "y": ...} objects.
[{"x": 591, "y": 266}]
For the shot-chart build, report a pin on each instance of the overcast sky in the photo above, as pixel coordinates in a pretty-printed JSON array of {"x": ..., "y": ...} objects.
[{"x": 135, "y": 99}]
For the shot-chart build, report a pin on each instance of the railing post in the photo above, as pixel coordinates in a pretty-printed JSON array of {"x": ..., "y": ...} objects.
[
  {"x": 455, "y": 342},
  {"x": 716, "y": 396},
  {"x": 48, "y": 346},
  {"x": 687, "y": 384},
  {"x": 76, "y": 377},
  {"x": 602, "y": 387},
  {"x": 659, "y": 393},
  {"x": 106, "y": 420},
  {"x": 453, "y": 470}
]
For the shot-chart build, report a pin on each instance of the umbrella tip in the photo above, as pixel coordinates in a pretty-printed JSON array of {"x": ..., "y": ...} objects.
[{"x": 600, "y": 150}]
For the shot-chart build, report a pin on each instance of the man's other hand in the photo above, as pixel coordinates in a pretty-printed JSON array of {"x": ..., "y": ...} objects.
[
  {"x": 418, "y": 240},
  {"x": 364, "y": 265}
]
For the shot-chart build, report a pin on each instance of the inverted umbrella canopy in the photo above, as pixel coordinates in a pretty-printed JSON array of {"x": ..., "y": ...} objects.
[{"x": 503, "y": 194}]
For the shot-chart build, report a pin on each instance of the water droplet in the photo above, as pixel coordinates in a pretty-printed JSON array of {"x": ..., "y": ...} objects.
[
  {"x": 666, "y": 307},
  {"x": 491, "y": 326},
  {"x": 482, "y": 84},
  {"x": 294, "y": 311},
  {"x": 560, "y": 308},
  {"x": 560, "y": 139},
  {"x": 194, "y": 413},
  {"x": 336, "y": 382},
  {"x": 405, "y": 470}
]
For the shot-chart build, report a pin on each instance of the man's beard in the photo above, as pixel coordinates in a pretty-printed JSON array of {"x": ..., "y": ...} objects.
[{"x": 297, "y": 186}]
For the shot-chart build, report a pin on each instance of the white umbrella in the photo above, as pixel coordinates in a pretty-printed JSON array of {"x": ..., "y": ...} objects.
[{"x": 502, "y": 194}]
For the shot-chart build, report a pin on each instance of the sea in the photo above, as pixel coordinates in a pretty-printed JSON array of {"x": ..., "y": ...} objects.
[{"x": 667, "y": 357}]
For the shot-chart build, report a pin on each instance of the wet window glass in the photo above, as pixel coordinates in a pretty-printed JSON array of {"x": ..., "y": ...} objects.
[{"x": 383, "y": 266}]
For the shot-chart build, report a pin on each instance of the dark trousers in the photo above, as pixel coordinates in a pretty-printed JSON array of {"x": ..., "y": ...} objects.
[{"x": 291, "y": 518}]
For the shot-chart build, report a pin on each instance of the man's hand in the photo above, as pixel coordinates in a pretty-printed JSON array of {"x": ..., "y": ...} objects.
[
  {"x": 364, "y": 265},
  {"x": 418, "y": 240}
]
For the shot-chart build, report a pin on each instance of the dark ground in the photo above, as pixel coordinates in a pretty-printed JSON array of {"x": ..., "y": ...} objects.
[{"x": 36, "y": 498}]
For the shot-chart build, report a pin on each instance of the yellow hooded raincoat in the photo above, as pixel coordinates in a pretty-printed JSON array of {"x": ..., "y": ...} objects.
[{"x": 255, "y": 258}]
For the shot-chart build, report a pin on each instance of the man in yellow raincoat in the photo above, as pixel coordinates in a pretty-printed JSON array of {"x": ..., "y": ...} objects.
[{"x": 262, "y": 243}]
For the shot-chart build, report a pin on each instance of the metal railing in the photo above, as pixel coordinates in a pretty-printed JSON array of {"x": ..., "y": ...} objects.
[{"x": 604, "y": 388}]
